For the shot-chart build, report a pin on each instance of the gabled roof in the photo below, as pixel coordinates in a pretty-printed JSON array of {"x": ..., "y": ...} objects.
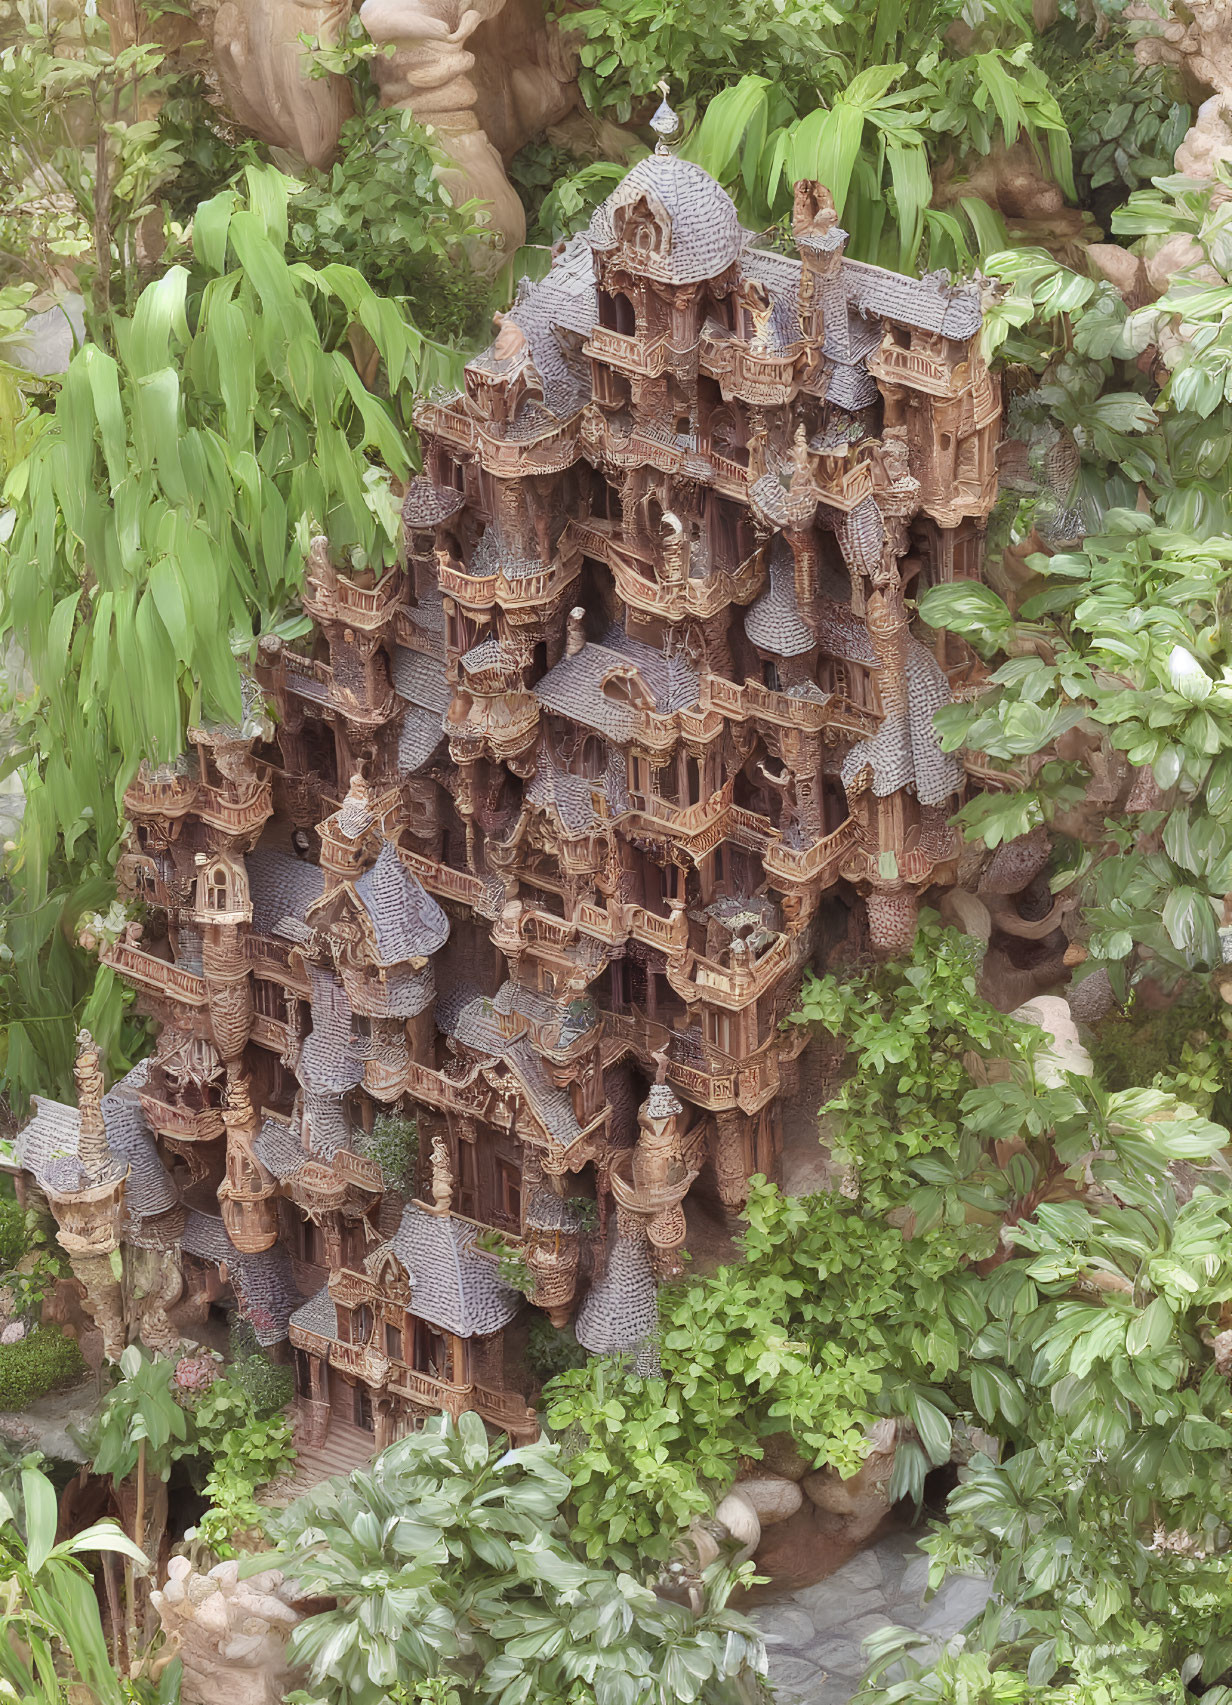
[
  {"x": 905, "y": 751},
  {"x": 932, "y": 303},
  {"x": 47, "y": 1146},
  {"x": 621, "y": 1308},
  {"x": 453, "y": 1285},
  {"x": 406, "y": 920},
  {"x": 264, "y": 1286}
]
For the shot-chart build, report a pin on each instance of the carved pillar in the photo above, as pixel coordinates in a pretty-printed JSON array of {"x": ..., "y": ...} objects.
[{"x": 731, "y": 1158}]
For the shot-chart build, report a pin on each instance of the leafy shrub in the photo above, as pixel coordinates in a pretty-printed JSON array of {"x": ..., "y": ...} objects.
[
  {"x": 452, "y": 1577},
  {"x": 394, "y": 1145},
  {"x": 551, "y": 1350},
  {"x": 42, "y": 1361},
  {"x": 13, "y": 1242},
  {"x": 381, "y": 209},
  {"x": 268, "y": 1385}
]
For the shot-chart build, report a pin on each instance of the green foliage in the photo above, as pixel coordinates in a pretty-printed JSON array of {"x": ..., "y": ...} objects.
[
  {"x": 12, "y": 1233},
  {"x": 452, "y": 1573},
  {"x": 551, "y": 1350},
  {"x": 869, "y": 106},
  {"x": 77, "y": 72},
  {"x": 246, "y": 1458},
  {"x": 51, "y": 1631},
  {"x": 381, "y": 210},
  {"x": 165, "y": 507},
  {"x": 511, "y": 1261},
  {"x": 42, "y": 1361},
  {"x": 140, "y": 1419},
  {"x": 268, "y": 1385},
  {"x": 1126, "y": 120},
  {"x": 394, "y": 1145}
]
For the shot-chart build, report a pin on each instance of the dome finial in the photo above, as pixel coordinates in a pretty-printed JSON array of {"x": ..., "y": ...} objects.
[{"x": 665, "y": 123}]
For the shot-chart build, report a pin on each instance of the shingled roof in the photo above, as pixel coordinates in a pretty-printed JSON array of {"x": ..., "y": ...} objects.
[
  {"x": 773, "y": 621},
  {"x": 327, "y": 1059},
  {"x": 281, "y": 887},
  {"x": 454, "y": 1286},
  {"x": 704, "y": 234},
  {"x": 407, "y": 921},
  {"x": 621, "y": 1308},
  {"x": 265, "y": 1289},
  {"x": 421, "y": 680},
  {"x": 905, "y": 751},
  {"x": 47, "y": 1146}
]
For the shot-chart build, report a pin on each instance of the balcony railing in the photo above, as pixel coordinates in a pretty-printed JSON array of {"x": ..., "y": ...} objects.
[
  {"x": 184, "y": 1124},
  {"x": 443, "y": 879},
  {"x": 631, "y": 354},
  {"x": 551, "y": 452},
  {"x": 365, "y": 607},
  {"x": 154, "y": 974},
  {"x": 916, "y": 370},
  {"x": 236, "y": 816},
  {"x": 359, "y": 1360},
  {"x": 448, "y": 422},
  {"x": 171, "y": 796},
  {"x": 270, "y": 1032}
]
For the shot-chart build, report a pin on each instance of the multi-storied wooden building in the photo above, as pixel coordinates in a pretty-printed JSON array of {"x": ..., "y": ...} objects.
[{"x": 533, "y": 843}]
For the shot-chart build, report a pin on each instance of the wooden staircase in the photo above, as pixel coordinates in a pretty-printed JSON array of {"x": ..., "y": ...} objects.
[{"x": 345, "y": 1447}]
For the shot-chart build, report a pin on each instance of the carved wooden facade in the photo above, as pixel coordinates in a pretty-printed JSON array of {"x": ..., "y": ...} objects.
[{"x": 547, "y": 824}]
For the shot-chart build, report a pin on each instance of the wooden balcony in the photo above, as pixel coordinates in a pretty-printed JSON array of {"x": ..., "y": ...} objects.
[
  {"x": 271, "y": 1033},
  {"x": 171, "y": 796},
  {"x": 918, "y": 371},
  {"x": 277, "y": 961},
  {"x": 183, "y": 1124},
  {"x": 367, "y": 608},
  {"x": 761, "y": 378},
  {"x": 307, "y": 677},
  {"x": 703, "y": 1074},
  {"x": 361, "y": 1361},
  {"x": 154, "y": 975},
  {"x": 915, "y": 868},
  {"x": 470, "y": 1093},
  {"x": 448, "y": 422},
  {"x": 550, "y": 452},
  {"x": 630, "y": 354},
  {"x": 736, "y": 984},
  {"x": 444, "y": 880},
  {"x": 242, "y": 815},
  {"x": 694, "y": 828}
]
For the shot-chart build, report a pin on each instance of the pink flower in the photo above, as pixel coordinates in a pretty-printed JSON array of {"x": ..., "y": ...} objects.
[{"x": 195, "y": 1373}]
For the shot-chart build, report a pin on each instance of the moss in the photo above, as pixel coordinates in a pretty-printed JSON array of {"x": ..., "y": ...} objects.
[
  {"x": 43, "y": 1360},
  {"x": 1130, "y": 1048}
]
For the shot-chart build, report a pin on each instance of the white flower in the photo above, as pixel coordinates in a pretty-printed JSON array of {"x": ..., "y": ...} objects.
[{"x": 1188, "y": 676}]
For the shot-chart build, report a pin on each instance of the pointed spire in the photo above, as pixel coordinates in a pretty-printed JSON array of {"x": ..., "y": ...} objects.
[
  {"x": 92, "y": 1149},
  {"x": 665, "y": 123}
]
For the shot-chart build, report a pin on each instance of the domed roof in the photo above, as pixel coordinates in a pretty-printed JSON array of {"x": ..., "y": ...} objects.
[{"x": 702, "y": 233}]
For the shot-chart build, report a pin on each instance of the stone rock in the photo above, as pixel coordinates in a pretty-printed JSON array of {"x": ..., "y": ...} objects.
[
  {"x": 737, "y": 1515},
  {"x": 1064, "y": 1051},
  {"x": 1179, "y": 253},
  {"x": 773, "y": 1499},
  {"x": 782, "y": 1457},
  {"x": 231, "y": 1638},
  {"x": 957, "y": 1602},
  {"x": 1119, "y": 267},
  {"x": 212, "y": 1613},
  {"x": 786, "y": 1624},
  {"x": 799, "y": 1551},
  {"x": 860, "y": 1503},
  {"x": 915, "y": 1579},
  {"x": 834, "y": 1603}
]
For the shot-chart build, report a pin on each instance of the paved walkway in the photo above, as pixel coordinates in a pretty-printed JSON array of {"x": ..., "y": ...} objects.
[{"x": 814, "y": 1635}]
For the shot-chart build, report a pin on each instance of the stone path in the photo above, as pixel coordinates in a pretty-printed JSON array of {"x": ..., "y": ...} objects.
[{"x": 814, "y": 1634}]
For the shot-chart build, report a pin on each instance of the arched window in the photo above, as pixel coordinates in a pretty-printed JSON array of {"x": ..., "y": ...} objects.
[
  {"x": 361, "y": 1324},
  {"x": 217, "y": 889}
]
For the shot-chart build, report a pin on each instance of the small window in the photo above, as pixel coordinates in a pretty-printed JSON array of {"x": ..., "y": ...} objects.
[
  {"x": 431, "y": 1354},
  {"x": 393, "y": 1341},
  {"x": 362, "y": 1407},
  {"x": 770, "y": 676},
  {"x": 509, "y": 1190},
  {"x": 361, "y": 1324}
]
